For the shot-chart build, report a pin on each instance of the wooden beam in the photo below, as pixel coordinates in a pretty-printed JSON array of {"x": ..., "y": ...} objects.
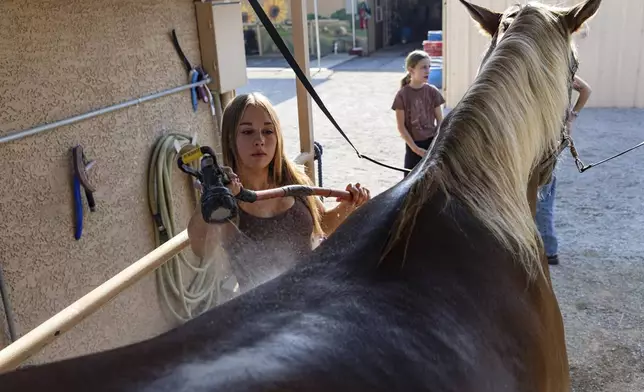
[
  {"x": 36, "y": 339},
  {"x": 304, "y": 109}
]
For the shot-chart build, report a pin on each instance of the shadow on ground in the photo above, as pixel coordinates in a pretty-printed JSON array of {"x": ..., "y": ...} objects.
[
  {"x": 277, "y": 90},
  {"x": 272, "y": 61},
  {"x": 271, "y": 75}
]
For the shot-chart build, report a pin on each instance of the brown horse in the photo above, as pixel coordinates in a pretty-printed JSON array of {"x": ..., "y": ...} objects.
[{"x": 434, "y": 285}]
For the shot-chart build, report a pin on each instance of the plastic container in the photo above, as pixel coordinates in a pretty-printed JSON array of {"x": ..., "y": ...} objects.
[
  {"x": 435, "y": 35},
  {"x": 405, "y": 34},
  {"x": 436, "y": 76},
  {"x": 433, "y": 48}
]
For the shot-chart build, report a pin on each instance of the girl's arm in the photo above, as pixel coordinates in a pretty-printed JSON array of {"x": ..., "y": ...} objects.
[
  {"x": 584, "y": 93},
  {"x": 197, "y": 232},
  {"x": 332, "y": 218},
  {"x": 200, "y": 232},
  {"x": 438, "y": 113},
  {"x": 205, "y": 237},
  {"x": 404, "y": 133}
]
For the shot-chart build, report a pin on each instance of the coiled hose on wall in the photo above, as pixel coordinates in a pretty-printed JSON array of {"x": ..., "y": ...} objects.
[{"x": 202, "y": 290}]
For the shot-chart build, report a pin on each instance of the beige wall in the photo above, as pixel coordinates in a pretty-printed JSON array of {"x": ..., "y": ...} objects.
[
  {"x": 611, "y": 56},
  {"x": 63, "y": 58}
]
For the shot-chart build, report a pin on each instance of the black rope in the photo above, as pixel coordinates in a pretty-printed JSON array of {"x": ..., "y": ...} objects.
[
  {"x": 279, "y": 42},
  {"x": 317, "y": 156},
  {"x": 177, "y": 47},
  {"x": 582, "y": 168}
]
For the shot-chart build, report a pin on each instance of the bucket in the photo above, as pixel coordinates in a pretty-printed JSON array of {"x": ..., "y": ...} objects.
[
  {"x": 436, "y": 76},
  {"x": 435, "y": 35},
  {"x": 433, "y": 48}
]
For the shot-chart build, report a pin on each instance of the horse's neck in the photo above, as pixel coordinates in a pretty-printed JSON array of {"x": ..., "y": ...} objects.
[
  {"x": 479, "y": 169},
  {"x": 482, "y": 162}
]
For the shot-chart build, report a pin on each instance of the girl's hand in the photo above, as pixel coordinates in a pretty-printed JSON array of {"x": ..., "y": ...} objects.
[
  {"x": 235, "y": 185},
  {"x": 420, "y": 151},
  {"x": 359, "y": 196},
  {"x": 571, "y": 118}
]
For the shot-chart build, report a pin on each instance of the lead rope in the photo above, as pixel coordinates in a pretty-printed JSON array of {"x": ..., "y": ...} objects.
[
  {"x": 582, "y": 168},
  {"x": 573, "y": 151},
  {"x": 283, "y": 48}
]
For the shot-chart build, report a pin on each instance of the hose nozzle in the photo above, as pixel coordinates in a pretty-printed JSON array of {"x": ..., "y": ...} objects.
[{"x": 218, "y": 204}]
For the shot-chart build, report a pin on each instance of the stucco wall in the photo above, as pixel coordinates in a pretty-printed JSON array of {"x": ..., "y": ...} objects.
[
  {"x": 611, "y": 55},
  {"x": 65, "y": 57}
]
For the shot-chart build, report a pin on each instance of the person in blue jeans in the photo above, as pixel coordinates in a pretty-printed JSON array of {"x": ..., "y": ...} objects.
[{"x": 546, "y": 201}]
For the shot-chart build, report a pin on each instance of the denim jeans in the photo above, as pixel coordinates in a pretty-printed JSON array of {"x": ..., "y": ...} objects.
[{"x": 545, "y": 216}]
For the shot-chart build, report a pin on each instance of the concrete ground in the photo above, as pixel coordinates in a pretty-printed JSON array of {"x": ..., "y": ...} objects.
[{"x": 599, "y": 215}]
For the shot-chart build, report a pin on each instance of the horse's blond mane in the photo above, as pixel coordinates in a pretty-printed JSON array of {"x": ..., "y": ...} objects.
[{"x": 508, "y": 120}]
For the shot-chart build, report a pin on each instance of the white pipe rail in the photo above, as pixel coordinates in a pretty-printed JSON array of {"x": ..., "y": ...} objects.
[
  {"x": 22, "y": 349},
  {"x": 71, "y": 120}
]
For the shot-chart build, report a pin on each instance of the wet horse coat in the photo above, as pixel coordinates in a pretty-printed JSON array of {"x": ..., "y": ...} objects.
[
  {"x": 337, "y": 322},
  {"x": 444, "y": 307}
]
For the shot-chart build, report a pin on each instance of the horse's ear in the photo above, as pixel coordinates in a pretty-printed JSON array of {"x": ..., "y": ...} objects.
[
  {"x": 488, "y": 20},
  {"x": 577, "y": 15}
]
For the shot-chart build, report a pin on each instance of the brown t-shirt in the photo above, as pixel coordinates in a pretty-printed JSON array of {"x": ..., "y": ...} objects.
[
  {"x": 266, "y": 247},
  {"x": 418, "y": 105}
]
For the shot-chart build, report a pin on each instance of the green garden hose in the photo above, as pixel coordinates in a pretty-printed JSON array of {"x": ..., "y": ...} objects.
[{"x": 202, "y": 290}]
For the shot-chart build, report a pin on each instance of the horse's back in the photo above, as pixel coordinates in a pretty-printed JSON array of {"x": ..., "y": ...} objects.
[
  {"x": 272, "y": 336},
  {"x": 449, "y": 318}
]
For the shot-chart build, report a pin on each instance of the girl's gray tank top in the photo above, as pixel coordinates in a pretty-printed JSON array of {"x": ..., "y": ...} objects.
[{"x": 266, "y": 247}]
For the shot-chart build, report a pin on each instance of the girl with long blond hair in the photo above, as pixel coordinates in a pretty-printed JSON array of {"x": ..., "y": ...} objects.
[{"x": 271, "y": 235}]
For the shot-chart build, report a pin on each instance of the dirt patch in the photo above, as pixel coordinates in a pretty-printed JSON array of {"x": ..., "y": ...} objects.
[{"x": 600, "y": 223}]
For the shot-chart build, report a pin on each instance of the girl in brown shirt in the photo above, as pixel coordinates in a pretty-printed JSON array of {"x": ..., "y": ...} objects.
[
  {"x": 418, "y": 108},
  {"x": 271, "y": 235}
]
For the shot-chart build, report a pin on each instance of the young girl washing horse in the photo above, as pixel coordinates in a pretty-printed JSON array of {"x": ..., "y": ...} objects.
[
  {"x": 271, "y": 235},
  {"x": 418, "y": 108}
]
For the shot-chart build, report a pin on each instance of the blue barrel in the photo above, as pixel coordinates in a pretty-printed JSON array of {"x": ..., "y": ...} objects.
[
  {"x": 436, "y": 75},
  {"x": 405, "y": 34},
  {"x": 435, "y": 35}
]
